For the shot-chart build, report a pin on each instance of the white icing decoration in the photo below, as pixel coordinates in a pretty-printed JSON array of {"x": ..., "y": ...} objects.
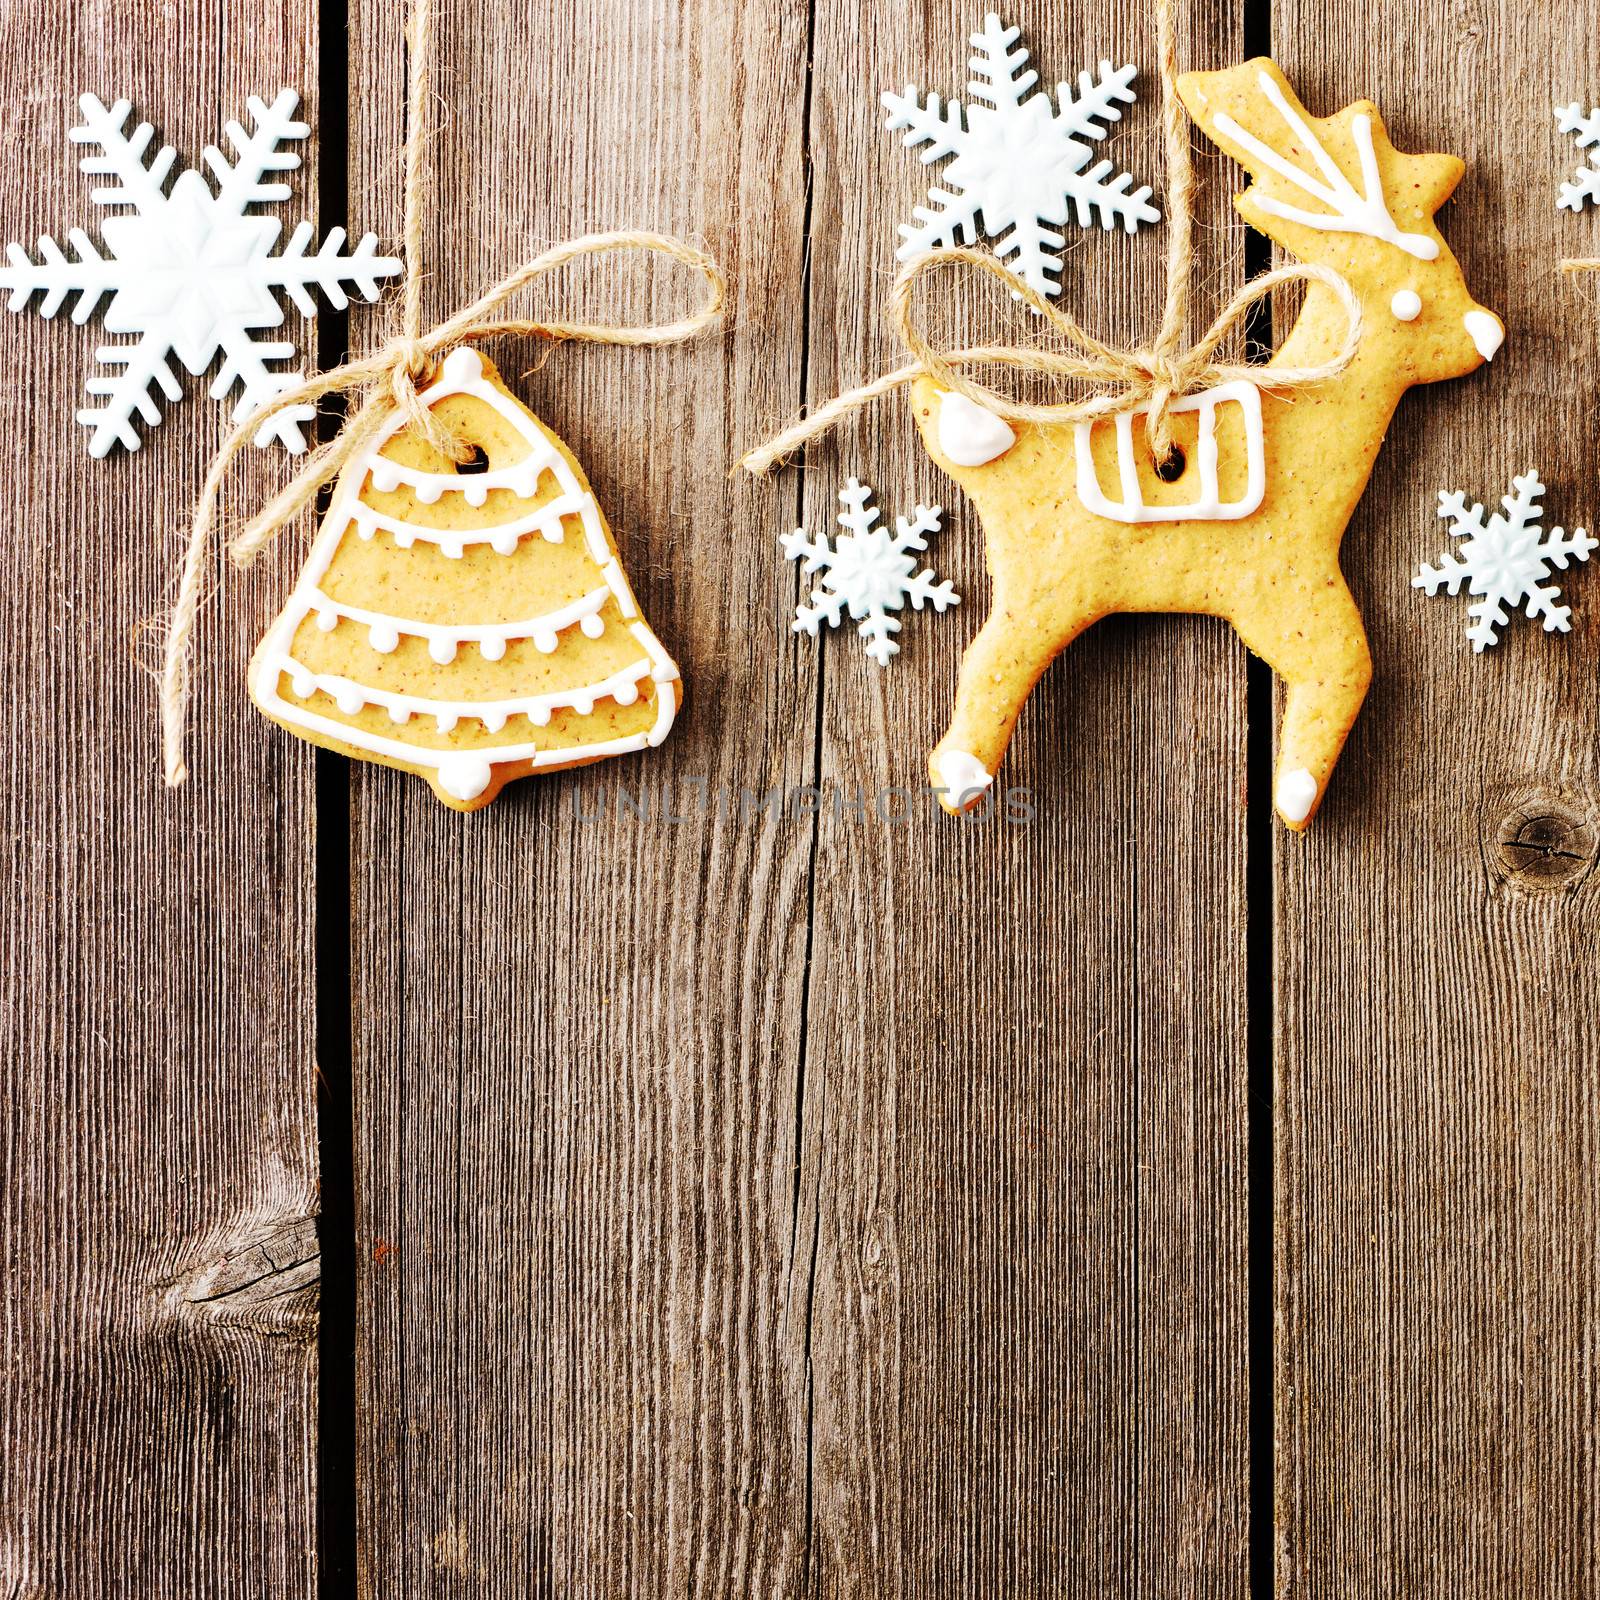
[
  {"x": 535, "y": 755},
  {"x": 503, "y": 538},
  {"x": 868, "y": 571},
  {"x": 464, "y": 777},
  {"x": 1504, "y": 561},
  {"x": 963, "y": 775},
  {"x": 1406, "y": 305},
  {"x": 351, "y": 697},
  {"x": 1297, "y": 793},
  {"x": 442, "y": 649},
  {"x": 969, "y": 435},
  {"x": 661, "y": 669},
  {"x": 190, "y": 269},
  {"x": 1487, "y": 331},
  {"x": 1208, "y": 506},
  {"x": 327, "y": 621},
  {"x": 462, "y": 373},
  {"x": 1366, "y": 213},
  {"x": 1023, "y": 161},
  {"x": 490, "y": 637},
  {"x": 612, "y": 571}
]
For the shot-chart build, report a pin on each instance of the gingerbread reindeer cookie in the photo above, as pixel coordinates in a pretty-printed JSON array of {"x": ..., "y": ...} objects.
[
  {"x": 470, "y": 626},
  {"x": 1079, "y": 524}
]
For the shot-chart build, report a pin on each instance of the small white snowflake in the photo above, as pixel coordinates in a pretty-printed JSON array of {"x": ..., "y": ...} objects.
[
  {"x": 1020, "y": 161},
  {"x": 868, "y": 572},
  {"x": 190, "y": 273},
  {"x": 1504, "y": 559},
  {"x": 1585, "y": 183}
]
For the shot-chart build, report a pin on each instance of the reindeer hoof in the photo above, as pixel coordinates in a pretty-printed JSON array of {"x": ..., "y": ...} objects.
[
  {"x": 960, "y": 779},
  {"x": 1297, "y": 793}
]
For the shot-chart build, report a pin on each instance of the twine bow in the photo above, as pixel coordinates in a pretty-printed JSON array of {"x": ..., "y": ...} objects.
[
  {"x": 390, "y": 379},
  {"x": 1148, "y": 379}
]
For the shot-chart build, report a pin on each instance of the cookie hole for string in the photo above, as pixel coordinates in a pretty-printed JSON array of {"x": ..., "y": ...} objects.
[
  {"x": 477, "y": 462},
  {"x": 1172, "y": 466}
]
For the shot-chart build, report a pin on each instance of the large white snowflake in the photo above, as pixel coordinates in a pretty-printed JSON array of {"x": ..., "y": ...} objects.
[
  {"x": 190, "y": 273},
  {"x": 1504, "y": 559},
  {"x": 868, "y": 572},
  {"x": 1020, "y": 161},
  {"x": 1585, "y": 183}
]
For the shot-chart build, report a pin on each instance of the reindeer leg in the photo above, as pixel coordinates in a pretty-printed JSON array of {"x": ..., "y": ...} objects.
[
  {"x": 998, "y": 672},
  {"x": 1320, "y": 652}
]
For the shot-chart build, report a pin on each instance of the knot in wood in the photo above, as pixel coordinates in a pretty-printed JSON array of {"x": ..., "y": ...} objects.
[
  {"x": 1544, "y": 843},
  {"x": 267, "y": 1282}
]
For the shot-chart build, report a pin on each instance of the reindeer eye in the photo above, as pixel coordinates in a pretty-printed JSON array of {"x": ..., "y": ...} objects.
[{"x": 1407, "y": 305}]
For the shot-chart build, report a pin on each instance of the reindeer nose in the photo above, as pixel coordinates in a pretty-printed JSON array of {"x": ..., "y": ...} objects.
[{"x": 1487, "y": 330}]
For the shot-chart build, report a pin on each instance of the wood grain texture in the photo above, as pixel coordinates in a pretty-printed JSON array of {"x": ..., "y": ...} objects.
[
  {"x": 779, "y": 1201},
  {"x": 1437, "y": 1110},
  {"x": 158, "y": 1160},
  {"x": 1024, "y": 1122},
  {"x": 751, "y": 1206},
  {"x": 577, "y": 1041}
]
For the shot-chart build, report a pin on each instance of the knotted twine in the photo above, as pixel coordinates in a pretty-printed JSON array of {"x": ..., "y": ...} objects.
[
  {"x": 1148, "y": 379},
  {"x": 390, "y": 379}
]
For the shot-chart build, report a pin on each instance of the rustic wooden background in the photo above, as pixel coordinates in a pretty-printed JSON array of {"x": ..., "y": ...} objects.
[{"x": 1137, "y": 1202}]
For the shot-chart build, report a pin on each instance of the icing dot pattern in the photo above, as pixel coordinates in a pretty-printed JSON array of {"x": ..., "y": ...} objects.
[
  {"x": 1406, "y": 305},
  {"x": 361, "y": 689}
]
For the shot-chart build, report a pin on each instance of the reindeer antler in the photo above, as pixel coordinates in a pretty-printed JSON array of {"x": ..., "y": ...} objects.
[
  {"x": 1366, "y": 213},
  {"x": 1258, "y": 93}
]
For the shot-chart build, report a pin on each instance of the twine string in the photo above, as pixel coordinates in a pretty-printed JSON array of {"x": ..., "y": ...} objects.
[
  {"x": 388, "y": 380},
  {"x": 1164, "y": 363},
  {"x": 1150, "y": 378},
  {"x": 1123, "y": 380},
  {"x": 411, "y": 354}
]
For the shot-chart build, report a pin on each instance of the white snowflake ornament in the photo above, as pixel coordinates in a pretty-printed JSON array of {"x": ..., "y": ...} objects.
[
  {"x": 190, "y": 272},
  {"x": 1585, "y": 183},
  {"x": 1504, "y": 559},
  {"x": 868, "y": 572},
  {"x": 1021, "y": 161}
]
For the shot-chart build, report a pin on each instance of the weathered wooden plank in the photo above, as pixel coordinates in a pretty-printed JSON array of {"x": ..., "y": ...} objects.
[
  {"x": 159, "y": 1153},
  {"x": 576, "y": 1042},
  {"x": 1437, "y": 1118},
  {"x": 1023, "y": 1127}
]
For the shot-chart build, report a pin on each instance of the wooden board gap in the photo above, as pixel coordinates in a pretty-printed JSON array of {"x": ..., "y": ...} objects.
[{"x": 336, "y": 1355}]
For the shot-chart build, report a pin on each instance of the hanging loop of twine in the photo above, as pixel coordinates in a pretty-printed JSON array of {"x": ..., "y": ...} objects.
[
  {"x": 1149, "y": 379},
  {"x": 1122, "y": 380},
  {"x": 388, "y": 381}
]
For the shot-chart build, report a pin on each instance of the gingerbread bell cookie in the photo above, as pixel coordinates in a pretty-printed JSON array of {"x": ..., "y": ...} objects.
[{"x": 471, "y": 624}]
